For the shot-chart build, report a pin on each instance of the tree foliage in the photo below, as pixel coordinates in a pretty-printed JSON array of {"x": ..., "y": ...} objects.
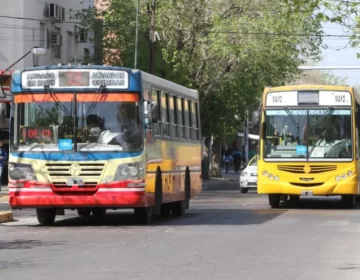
[{"x": 227, "y": 49}]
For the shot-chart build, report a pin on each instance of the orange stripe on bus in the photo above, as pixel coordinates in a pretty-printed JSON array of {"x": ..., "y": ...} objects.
[{"x": 80, "y": 97}]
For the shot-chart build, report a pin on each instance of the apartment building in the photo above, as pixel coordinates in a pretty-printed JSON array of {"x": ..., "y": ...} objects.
[{"x": 25, "y": 24}]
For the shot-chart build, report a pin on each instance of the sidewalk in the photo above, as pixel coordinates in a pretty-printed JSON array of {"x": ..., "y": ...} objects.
[
  {"x": 4, "y": 194},
  {"x": 5, "y": 216}
]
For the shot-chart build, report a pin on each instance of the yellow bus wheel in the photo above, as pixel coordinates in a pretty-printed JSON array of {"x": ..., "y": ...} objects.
[
  {"x": 274, "y": 200},
  {"x": 349, "y": 200}
]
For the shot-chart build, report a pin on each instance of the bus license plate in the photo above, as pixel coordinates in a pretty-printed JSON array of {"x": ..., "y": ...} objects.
[
  {"x": 75, "y": 182},
  {"x": 307, "y": 193}
]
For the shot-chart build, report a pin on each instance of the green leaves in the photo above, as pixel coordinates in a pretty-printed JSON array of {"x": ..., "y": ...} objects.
[{"x": 228, "y": 50}]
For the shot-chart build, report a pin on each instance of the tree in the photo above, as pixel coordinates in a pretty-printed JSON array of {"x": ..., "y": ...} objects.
[{"x": 228, "y": 50}]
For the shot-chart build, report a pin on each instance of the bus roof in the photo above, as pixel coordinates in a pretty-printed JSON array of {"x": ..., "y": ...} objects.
[
  {"x": 160, "y": 83},
  {"x": 153, "y": 80},
  {"x": 307, "y": 87}
]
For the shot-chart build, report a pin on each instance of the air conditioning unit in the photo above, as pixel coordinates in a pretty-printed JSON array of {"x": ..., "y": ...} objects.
[
  {"x": 54, "y": 12},
  {"x": 56, "y": 39}
]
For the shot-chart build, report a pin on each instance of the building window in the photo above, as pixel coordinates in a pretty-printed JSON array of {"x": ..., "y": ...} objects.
[
  {"x": 56, "y": 42},
  {"x": 42, "y": 35},
  {"x": 86, "y": 58},
  {"x": 69, "y": 42},
  {"x": 80, "y": 34}
]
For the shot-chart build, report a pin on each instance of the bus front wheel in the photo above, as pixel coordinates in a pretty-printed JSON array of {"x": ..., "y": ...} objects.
[
  {"x": 46, "y": 216},
  {"x": 349, "y": 200},
  {"x": 274, "y": 200},
  {"x": 178, "y": 208},
  {"x": 143, "y": 214}
]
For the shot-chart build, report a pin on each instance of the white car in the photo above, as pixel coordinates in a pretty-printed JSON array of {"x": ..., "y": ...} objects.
[{"x": 248, "y": 177}]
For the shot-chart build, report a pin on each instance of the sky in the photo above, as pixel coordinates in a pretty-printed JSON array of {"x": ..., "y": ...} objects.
[{"x": 336, "y": 55}]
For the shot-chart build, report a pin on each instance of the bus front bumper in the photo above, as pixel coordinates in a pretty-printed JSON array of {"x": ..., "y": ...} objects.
[
  {"x": 110, "y": 196},
  {"x": 348, "y": 186}
]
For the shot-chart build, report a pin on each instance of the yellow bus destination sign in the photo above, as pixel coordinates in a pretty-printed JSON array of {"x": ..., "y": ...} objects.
[{"x": 74, "y": 78}]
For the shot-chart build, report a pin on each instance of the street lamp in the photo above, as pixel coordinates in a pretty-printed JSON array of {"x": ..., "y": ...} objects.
[
  {"x": 36, "y": 52},
  {"x": 5, "y": 78}
]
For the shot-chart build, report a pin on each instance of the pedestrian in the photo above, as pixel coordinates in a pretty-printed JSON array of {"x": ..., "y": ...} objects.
[
  {"x": 227, "y": 159},
  {"x": 237, "y": 159},
  {"x": 3, "y": 159}
]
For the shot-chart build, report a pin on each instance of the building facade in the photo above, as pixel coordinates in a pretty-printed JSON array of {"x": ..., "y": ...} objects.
[{"x": 25, "y": 24}]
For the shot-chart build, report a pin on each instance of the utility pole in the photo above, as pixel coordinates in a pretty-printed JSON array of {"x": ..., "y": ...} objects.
[{"x": 152, "y": 37}]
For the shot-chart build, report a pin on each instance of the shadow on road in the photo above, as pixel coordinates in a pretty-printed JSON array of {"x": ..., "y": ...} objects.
[
  {"x": 22, "y": 244},
  {"x": 203, "y": 216},
  {"x": 321, "y": 203}
]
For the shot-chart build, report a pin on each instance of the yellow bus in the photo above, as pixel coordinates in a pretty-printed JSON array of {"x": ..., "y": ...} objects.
[
  {"x": 309, "y": 143},
  {"x": 93, "y": 138}
]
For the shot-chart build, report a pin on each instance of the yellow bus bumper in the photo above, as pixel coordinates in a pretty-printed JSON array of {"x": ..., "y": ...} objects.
[{"x": 347, "y": 186}]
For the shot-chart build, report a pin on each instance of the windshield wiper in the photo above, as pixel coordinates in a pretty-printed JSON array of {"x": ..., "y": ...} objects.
[
  {"x": 291, "y": 117},
  {"x": 323, "y": 116},
  {"x": 57, "y": 101},
  {"x": 93, "y": 103}
]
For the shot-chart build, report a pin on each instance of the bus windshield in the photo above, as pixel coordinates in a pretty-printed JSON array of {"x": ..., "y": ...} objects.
[
  {"x": 308, "y": 134},
  {"x": 104, "y": 122}
]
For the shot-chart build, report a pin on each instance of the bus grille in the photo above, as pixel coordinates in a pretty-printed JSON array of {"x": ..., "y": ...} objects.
[
  {"x": 59, "y": 171},
  {"x": 300, "y": 169}
]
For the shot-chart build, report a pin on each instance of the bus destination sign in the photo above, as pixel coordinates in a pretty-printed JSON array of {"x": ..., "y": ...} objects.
[
  {"x": 74, "y": 78},
  {"x": 317, "y": 98}
]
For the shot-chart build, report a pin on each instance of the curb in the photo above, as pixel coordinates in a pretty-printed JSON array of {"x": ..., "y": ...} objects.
[
  {"x": 4, "y": 198},
  {"x": 6, "y": 216}
]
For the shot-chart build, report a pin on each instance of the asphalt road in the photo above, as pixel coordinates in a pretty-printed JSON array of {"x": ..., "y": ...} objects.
[{"x": 225, "y": 235}]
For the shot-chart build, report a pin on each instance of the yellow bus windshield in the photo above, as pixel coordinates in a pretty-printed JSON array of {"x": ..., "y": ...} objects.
[{"x": 313, "y": 134}]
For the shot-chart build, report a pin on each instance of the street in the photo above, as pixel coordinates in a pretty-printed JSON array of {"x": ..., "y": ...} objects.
[{"x": 224, "y": 235}]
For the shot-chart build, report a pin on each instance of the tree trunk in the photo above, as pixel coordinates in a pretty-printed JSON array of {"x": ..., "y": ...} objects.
[{"x": 216, "y": 159}]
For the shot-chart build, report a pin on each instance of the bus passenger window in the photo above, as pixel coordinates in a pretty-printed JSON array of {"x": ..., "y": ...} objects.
[
  {"x": 155, "y": 112},
  {"x": 186, "y": 119},
  {"x": 165, "y": 113},
  {"x": 172, "y": 116},
  {"x": 179, "y": 107},
  {"x": 197, "y": 136}
]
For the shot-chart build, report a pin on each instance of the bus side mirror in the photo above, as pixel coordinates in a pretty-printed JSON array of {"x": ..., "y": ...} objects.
[{"x": 255, "y": 119}]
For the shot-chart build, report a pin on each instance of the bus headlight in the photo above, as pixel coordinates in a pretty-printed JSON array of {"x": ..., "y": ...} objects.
[
  {"x": 350, "y": 173},
  {"x": 337, "y": 178},
  {"x": 20, "y": 171},
  {"x": 264, "y": 173},
  {"x": 276, "y": 178},
  {"x": 129, "y": 171}
]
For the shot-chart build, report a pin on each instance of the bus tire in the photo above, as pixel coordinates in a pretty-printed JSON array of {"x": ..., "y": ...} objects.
[
  {"x": 165, "y": 209},
  {"x": 158, "y": 196},
  {"x": 99, "y": 212},
  {"x": 178, "y": 208},
  {"x": 84, "y": 212},
  {"x": 187, "y": 188},
  {"x": 46, "y": 216},
  {"x": 274, "y": 200},
  {"x": 143, "y": 215},
  {"x": 349, "y": 200},
  {"x": 294, "y": 198}
]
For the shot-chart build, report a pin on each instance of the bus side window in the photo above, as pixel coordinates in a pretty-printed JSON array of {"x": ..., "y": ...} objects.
[
  {"x": 197, "y": 132},
  {"x": 172, "y": 116},
  {"x": 165, "y": 113},
  {"x": 357, "y": 125},
  {"x": 180, "y": 122},
  {"x": 187, "y": 119},
  {"x": 155, "y": 112}
]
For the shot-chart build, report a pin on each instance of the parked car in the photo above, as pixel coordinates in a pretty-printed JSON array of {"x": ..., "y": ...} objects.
[{"x": 248, "y": 177}]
